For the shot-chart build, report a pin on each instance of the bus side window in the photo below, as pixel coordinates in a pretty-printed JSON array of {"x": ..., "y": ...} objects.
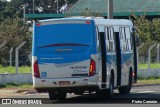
[
  {"x": 107, "y": 39},
  {"x": 122, "y": 34},
  {"x": 125, "y": 38},
  {"x": 110, "y": 45},
  {"x": 128, "y": 39}
]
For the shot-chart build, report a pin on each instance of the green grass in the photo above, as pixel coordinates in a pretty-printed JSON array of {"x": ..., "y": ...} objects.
[
  {"x": 145, "y": 66},
  {"x": 149, "y": 81},
  {"x": 11, "y": 69},
  {"x": 148, "y": 78},
  {"x": 15, "y": 85}
]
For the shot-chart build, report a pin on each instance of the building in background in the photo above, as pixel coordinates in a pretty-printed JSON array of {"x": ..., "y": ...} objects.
[{"x": 122, "y": 9}]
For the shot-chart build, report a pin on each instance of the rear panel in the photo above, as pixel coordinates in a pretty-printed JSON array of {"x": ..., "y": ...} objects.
[{"x": 63, "y": 48}]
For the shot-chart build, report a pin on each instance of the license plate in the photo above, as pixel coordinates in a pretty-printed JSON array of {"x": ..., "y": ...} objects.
[{"x": 64, "y": 82}]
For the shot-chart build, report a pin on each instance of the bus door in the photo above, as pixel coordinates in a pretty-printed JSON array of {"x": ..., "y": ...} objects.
[
  {"x": 118, "y": 58},
  {"x": 110, "y": 49},
  {"x": 125, "y": 52},
  {"x": 102, "y": 56}
]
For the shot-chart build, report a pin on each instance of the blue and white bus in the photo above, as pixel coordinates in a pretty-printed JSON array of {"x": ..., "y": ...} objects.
[{"x": 77, "y": 55}]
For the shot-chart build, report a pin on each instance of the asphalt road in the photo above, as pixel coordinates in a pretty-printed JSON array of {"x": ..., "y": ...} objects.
[{"x": 139, "y": 93}]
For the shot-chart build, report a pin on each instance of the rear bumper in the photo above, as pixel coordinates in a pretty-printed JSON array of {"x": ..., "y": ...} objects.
[
  {"x": 68, "y": 89},
  {"x": 80, "y": 84}
]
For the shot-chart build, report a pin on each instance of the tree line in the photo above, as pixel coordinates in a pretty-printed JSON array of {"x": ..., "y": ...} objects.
[
  {"x": 15, "y": 8},
  {"x": 149, "y": 33}
]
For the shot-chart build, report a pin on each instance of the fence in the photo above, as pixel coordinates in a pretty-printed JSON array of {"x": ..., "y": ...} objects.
[
  {"x": 14, "y": 58},
  {"x": 148, "y": 54}
]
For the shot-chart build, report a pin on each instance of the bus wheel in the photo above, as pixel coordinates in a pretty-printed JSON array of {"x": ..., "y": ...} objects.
[
  {"x": 110, "y": 91},
  {"x": 62, "y": 95},
  {"x": 126, "y": 89},
  {"x": 53, "y": 95},
  {"x": 57, "y": 95},
  {"x": 107, "y": 93}
]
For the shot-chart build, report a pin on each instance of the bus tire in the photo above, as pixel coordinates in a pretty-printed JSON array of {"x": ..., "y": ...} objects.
[
  {"x": 57, "y": 95},
  {"x": 62, "y": 95},
  {"x": 107, "y": 93},
  {"x": 52, "y": 95},
  {"x": 110, "y": 91},
  {"x": 126, "y": 89}
]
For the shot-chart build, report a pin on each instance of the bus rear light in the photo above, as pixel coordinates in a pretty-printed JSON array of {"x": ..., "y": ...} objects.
[
  {"x": 92, "y": 69},
  {"x": 36, "y": 70}
]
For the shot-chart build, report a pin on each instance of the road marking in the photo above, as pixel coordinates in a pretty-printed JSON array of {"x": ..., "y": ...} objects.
[
  {"x": 146, "y": 92},
  {"x": 37, "y": 94},
  {"x": 140, "y": 89},
  {"x": 45, "y": 94}
]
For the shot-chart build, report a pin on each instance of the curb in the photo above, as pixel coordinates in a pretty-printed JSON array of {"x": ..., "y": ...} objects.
[
  {"x": 31, "y": 92},
  {"x": 26, "y": 91},
  {"x": 139, "y": 85}
]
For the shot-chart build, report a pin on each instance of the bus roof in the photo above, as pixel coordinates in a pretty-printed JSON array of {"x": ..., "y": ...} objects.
[
  {"x": 98, "y": 21},
  {"x": 65, "y": 19},
  {"x": 113, "y": 22}
]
